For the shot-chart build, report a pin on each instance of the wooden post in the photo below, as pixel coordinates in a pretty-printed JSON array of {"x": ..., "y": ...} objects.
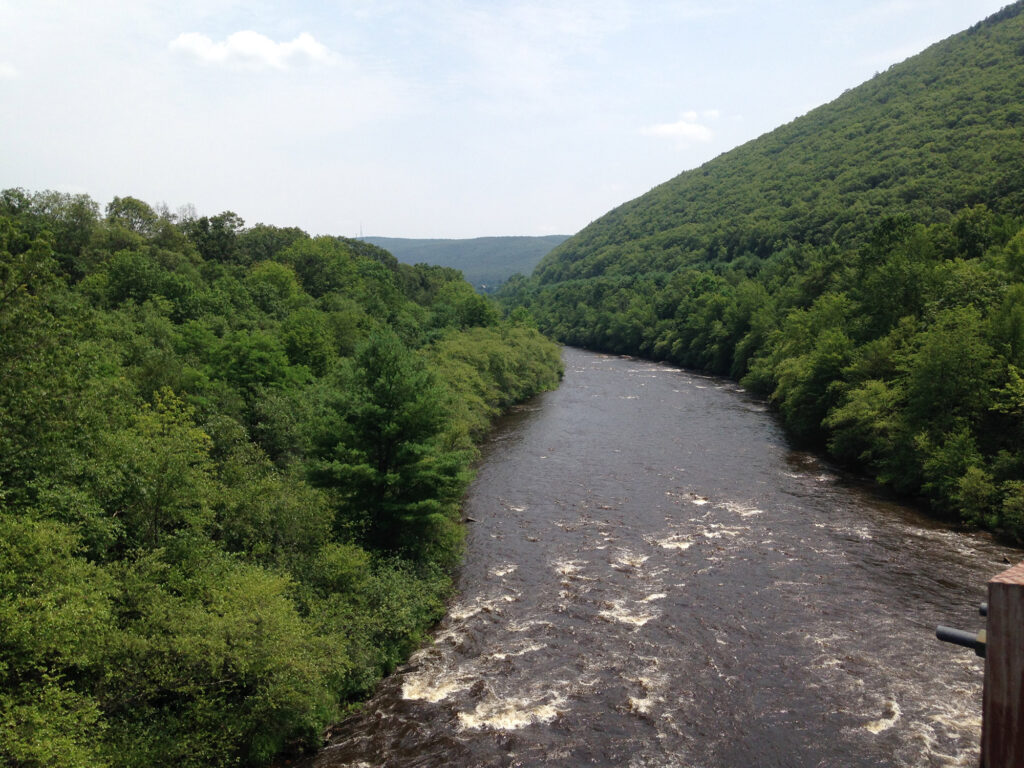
[{"x": 1002, "y": 724}]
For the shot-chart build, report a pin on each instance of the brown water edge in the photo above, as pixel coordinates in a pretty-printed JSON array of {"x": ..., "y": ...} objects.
[{"x": 657, "y": 579}]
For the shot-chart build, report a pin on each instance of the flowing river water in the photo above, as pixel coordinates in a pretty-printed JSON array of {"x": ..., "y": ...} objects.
[{"x": 655, "y": 578}]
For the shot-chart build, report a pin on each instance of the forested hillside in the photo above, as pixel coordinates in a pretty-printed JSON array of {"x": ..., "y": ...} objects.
[
  {"x": 486, "y": 262},
  {"x": 862, "y": 266},
  {"x": 231, "y": 461}
]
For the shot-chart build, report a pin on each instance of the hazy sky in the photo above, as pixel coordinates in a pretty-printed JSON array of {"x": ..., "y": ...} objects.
[{"x": 425, "y": 118}]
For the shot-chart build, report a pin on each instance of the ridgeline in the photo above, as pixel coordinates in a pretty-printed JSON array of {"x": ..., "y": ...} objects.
[
  {"x": 862, "y": 266},
  {"x": 485, "y": 262}
]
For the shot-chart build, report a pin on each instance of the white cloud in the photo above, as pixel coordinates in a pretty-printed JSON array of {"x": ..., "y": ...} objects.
[
  {"x": 250, "y": 50},
  {"x": 687, "y": 129},
  {"x": 8, "y": 71}
]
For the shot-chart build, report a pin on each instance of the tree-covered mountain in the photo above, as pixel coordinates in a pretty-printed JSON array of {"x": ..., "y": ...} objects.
[
  {"x": 486, "y": 262},
  {"x": 231, "y": 461},
  {"x": 862, "y": 266}
]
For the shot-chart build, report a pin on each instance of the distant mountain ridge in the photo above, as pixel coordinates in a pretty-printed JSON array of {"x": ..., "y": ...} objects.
[{"x": 486, "y": 262}]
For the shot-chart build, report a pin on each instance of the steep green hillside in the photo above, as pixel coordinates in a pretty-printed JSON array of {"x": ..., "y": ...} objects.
[
  {"x": 231, "y": 461},
  {"x": 861, "y": 266},
  {"x": 938, "y": 132},
  {"x": 486, "y": 262}
]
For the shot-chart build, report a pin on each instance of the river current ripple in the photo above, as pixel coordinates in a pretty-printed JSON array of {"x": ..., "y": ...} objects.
[{"x": 656, "y": 579}]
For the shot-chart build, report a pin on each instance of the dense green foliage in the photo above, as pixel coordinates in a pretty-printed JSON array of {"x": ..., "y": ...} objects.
[
  {"x": 230, "y": 467},
  {"x": 486, "y": 262},
  {"x": 862, "y": 266}
]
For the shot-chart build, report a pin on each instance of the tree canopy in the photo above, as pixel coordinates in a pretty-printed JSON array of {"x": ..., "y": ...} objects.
[{"x": 231, "y": 461}]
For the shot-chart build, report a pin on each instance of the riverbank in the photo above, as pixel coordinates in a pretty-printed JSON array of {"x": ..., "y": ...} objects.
[{"x": 657, "y": 577}]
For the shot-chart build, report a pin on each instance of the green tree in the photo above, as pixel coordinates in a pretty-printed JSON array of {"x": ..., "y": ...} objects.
[
  {"x": 214, "y": 665},
  {"x": 56, "y": 617},
  {"x": 216, "y": 237},
  {"x": 132, "y": 214},
  {"x": 156, "y": 474},
  {"x": 950, "y": 374},
  {"x": 308, "y": 339},
  {"x": 387, "y": 454},
  {"x": 275, "y": 288}
]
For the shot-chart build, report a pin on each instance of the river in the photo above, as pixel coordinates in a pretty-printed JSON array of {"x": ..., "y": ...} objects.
[{"x": 655, "y": 578}]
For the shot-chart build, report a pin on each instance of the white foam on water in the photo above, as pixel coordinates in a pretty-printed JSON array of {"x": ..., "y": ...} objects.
[
  {"x": 675, "y": 541},
  {"x": 785, "y": 583},
  {"x": 654, "y": 685},
  {"x": 525, "y": 625},
  {"x": 950, "y": 538},
  {"x": 452, "y": 635},
  {"x": 568, "y": 567},
  {"x": 521, "y": 509},
  {"x": 828, "y": 640},
  {"x": 434, "y": 686},
  {"x": 955, "y": 721},
  {"x": 461, "y": 613},
  {"x": 530, "y": 648},
  {"x": 890, "y": 717},
  {"x": 956, "y": 715},
  {"x": 626, "y": 559},
  {"x": 481, "y": 605},
  {"x": 717, "y": 531},
  {"x": 859, "y": 531},
  {"x": 512, "y": 713},
  {"x": 655, "y": 596},
  {"x": 616, "y": 610},
  {"x": 643, "y": 706},
  {"x": 742, "y": 510},
  {"x": 503, "y": 570}
]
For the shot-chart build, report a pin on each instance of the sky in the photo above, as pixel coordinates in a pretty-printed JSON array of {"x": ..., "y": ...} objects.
[{"x": 421, "y": 118}]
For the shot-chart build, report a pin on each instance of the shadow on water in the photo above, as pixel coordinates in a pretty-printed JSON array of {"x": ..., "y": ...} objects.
[{"x": 656, "y": 579}]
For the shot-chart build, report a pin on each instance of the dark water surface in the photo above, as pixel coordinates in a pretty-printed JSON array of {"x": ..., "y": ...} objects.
[{"x": 656, "y": 579}]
